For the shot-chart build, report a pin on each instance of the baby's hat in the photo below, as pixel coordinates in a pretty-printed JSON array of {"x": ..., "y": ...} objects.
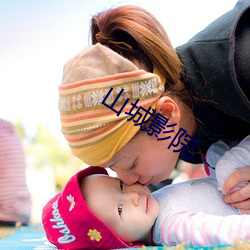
[{"x": 69, "y": 223}]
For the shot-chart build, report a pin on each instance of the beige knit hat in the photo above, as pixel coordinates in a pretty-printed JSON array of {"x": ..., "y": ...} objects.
[{"x": 97, "y": 129}]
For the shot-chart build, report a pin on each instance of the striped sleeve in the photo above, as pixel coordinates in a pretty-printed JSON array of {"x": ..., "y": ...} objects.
[
  {"x": 201, "y": 229},
  {"x": 15, "y": 200}
]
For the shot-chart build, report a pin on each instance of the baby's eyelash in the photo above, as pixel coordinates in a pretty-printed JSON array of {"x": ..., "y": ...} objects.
[{"x": 120, "y": 207}]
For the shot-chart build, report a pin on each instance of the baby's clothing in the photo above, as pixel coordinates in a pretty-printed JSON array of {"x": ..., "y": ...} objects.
[{"x": 194, "y": 212}]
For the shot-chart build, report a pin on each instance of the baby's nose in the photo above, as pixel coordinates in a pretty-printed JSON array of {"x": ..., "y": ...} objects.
[{"x": 133, "y": 198}]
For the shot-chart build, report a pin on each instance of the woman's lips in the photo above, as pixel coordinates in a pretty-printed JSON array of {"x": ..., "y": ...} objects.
[{"x": 148, "y": 183}]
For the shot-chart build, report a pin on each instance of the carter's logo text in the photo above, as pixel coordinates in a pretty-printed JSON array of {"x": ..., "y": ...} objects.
[{"x": 67, "y": 237}]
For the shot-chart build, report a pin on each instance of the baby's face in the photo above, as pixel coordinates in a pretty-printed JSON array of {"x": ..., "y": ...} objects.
[{"x": 130, "y": 211}]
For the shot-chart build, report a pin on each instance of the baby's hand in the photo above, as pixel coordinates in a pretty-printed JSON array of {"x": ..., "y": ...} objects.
[{"x": 241, "y": 197}]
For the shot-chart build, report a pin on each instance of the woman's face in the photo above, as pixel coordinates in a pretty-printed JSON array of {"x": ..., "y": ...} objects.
[{"x": 144, "y": 159}]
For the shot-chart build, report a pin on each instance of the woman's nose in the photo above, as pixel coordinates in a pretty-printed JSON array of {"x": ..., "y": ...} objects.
[{"x": 126, "y": 177}]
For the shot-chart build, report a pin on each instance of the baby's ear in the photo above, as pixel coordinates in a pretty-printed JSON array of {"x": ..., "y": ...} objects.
[{"x": 167, "y": 107}]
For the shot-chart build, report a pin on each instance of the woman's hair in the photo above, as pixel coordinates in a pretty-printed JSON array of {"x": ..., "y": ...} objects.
[{"x": 137, "y": 35}]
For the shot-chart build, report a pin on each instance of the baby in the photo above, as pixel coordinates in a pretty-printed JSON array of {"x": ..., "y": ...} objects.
[{"x": 96, "y": 211}]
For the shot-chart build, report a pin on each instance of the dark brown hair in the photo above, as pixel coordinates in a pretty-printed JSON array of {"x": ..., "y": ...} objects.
[{"x": 136, "y": 34}]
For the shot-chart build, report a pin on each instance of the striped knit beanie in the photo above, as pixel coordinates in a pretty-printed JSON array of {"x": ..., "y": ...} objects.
[{"x": 96, "y": 93}]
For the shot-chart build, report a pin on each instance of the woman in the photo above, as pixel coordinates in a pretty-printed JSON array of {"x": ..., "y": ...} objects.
[{"x": 202, "y": 100}]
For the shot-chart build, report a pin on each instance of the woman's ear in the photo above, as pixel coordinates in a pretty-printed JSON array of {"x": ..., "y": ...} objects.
[{"x": 167, "y": 107}]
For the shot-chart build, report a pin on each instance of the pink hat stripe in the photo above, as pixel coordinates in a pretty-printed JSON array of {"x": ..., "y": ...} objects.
[
  {"x": 111, "y": 78},
  {"x": 83, "y": 117},
  {"x": 92, "y": 136}
]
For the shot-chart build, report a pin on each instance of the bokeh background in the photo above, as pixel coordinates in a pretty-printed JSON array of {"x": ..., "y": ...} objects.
[{"x": 36, "y": 39}]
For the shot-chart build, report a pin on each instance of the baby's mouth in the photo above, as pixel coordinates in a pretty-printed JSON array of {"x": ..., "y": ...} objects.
[{"x": 147, "y": 203}]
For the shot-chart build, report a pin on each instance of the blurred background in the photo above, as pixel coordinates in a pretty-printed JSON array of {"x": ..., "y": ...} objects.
[{"x": 36, "y": 40}]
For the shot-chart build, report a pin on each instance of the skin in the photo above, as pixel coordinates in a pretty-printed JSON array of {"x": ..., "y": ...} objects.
[
  {"x": 153, "y": 162},
  {"x": 147, "y": 160},
  {"x": 130, "y": 211},
  {"x": 240, "y": 198},
  {"x": 148, "y": 164}
]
